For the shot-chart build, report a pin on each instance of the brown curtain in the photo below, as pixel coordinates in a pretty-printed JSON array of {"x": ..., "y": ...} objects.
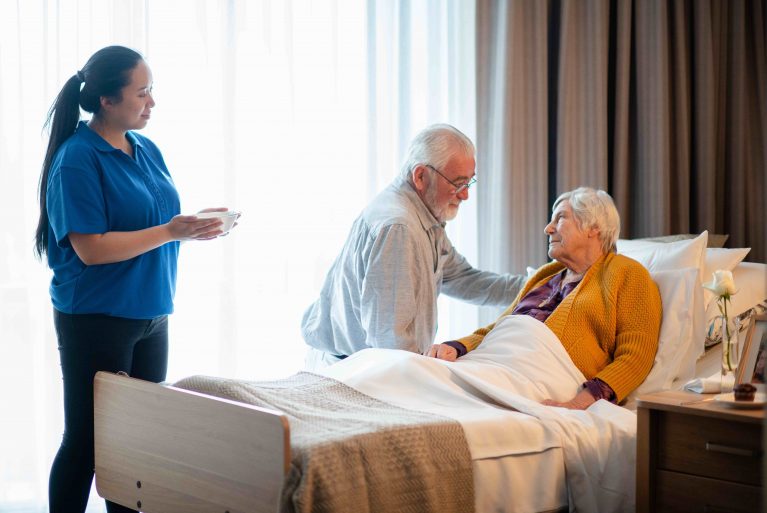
[
  {"x": 512, "y": 128},
  {"x": 661, "y": 103}
]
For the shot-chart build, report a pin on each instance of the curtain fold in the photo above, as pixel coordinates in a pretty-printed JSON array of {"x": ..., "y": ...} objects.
[
  {"x": 580, "y": 99},
  {"x": 512, "y": 131},
  {"x": 421, "y": 71},
  {"x": 661, "y": 103}
]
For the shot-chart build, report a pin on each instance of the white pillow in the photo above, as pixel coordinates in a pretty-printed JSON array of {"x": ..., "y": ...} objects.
[
  {"x": 723, "y": 259},
  {"x": 667, "y": 256},
  {"x": 751, "y": 281},
  {"x": 675, "y": 344},
  {"x": 677, "y": 256}
]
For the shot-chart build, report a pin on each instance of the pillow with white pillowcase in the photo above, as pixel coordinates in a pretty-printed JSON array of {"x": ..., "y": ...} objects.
[
  {"x": 677, "y": 289},
  {"x": 725, "y": 260},
  {"x": 676, "y": 256},
  {"x": 667, "y": 256},
  {"x": 722, "y": 259},
  {"x": 682, "y": 253},
  {"x": 751, "y": 281}
]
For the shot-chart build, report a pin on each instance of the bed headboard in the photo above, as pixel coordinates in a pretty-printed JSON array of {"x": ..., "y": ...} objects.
[{"x": 173, "y": 450}]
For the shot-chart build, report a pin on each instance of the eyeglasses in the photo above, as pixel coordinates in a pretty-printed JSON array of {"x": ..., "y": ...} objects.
[{"x": 459, "y": 187}]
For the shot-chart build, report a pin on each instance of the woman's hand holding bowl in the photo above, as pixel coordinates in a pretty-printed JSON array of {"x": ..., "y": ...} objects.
[{"x": 207, "y": 224}]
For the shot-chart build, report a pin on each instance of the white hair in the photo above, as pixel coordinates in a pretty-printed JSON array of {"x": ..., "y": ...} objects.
[
  {"x": 436, "y": 145},
  {"x": 594, "y": 208}
]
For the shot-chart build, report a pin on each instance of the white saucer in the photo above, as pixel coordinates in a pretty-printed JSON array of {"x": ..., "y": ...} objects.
[{"x": 729, "y": 400}]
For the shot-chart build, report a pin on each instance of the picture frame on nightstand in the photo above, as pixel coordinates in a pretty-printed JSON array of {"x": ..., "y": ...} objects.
[{"x": 753, "y": 357}]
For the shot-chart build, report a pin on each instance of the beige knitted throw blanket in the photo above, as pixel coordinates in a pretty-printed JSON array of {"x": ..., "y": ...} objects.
[{"x": 353, "y": 453}]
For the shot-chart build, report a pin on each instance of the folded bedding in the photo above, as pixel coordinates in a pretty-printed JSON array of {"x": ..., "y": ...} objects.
[
  {"x": 495, "y": 393},
  {"x": 350, "y": 452}
]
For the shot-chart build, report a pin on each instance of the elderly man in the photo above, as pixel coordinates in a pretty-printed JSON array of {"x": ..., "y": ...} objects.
[
  {"x": 603, "y": 307},
  {"x": 382, "y": 289}
]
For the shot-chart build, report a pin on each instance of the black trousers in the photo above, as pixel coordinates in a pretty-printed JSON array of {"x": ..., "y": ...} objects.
[{"x": 87, "y": 344}]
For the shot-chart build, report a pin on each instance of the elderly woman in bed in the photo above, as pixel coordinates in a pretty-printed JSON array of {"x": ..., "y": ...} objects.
[{"x": 603, "y": 307}]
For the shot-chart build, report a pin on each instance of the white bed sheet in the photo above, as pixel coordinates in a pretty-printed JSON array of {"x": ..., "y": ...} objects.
[
  {"x": 523, "y": 483},
  {"x": 495, "y": 393}
]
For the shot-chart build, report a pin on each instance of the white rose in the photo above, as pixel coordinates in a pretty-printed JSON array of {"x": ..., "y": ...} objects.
[{"x": 722, "y": 284}]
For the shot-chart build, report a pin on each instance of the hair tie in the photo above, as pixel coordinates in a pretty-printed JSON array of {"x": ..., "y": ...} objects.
[{"x": 80, "y": 76}]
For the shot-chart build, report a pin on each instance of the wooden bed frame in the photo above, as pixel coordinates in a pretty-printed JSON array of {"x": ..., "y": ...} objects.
[{"x": 162, "y": 449}]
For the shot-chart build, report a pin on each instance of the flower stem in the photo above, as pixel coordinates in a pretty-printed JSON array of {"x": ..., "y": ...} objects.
[{"x": 728, "y": 337}]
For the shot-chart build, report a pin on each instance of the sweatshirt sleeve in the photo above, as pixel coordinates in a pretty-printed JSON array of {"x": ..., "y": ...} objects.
[{"x": 462, "y": 281}]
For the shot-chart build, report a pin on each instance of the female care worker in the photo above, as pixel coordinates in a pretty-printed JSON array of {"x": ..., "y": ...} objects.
[{"x": 110, "y": 228}]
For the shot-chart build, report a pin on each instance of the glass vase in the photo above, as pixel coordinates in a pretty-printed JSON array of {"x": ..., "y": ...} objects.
[{"x": 730, "y": 353}]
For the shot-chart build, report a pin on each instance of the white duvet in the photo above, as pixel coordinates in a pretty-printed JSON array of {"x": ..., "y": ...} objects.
[{"x": 495, "y": 393}]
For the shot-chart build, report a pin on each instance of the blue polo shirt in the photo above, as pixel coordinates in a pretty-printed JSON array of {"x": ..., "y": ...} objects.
[{"x": 96, "y": 188}]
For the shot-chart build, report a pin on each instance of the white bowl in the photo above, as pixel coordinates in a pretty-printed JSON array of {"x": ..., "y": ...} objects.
[{"x": 228, "y": 217}]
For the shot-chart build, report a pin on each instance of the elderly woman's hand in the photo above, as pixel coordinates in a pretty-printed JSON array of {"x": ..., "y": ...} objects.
[
  {"x": 581, "y": 401},
  {"x": 443, "y": 352}
]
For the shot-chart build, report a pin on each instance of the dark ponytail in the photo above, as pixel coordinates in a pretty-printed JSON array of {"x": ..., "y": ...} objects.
[{"x": 104, "y": 75}]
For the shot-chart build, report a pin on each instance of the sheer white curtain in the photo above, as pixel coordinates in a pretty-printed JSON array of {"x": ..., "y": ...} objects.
[
  {"x": 421, "y": 69},
  {"x": 294, "y": 112}
]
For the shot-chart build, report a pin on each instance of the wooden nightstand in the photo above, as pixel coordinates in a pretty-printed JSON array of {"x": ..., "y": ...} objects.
[{"x": 697, "y": 456}]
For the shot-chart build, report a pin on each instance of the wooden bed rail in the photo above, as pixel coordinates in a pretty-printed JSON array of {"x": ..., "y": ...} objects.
[{"x": 165, "y": 450}]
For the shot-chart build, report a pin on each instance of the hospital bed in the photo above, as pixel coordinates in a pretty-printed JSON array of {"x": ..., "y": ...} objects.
[{"x": 162, "y": 448}]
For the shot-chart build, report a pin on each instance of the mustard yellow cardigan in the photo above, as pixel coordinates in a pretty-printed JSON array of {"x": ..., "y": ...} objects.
[{"x": 609, "y": 324}]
